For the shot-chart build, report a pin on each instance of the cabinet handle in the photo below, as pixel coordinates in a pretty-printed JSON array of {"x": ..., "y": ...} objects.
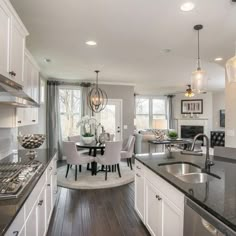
[
  {"x": 19, "y": 121},
  {"x": 15, "y": 233},
  {"x": 138, "y": 167},
  {"x": 158, "y": 197},
  {"x": 12, "y": 73},
  {"x": 55, "y": 173},
  {"x": 50, "y": 168},
  {"x": 33, "y": 120},
  {"x": 40, "y": 203},
  {"x": 48, "y": 185},
  {"x": 138, "y": 175}
]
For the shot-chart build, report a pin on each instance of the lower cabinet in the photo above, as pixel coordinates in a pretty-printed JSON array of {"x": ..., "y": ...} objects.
[
  {"x": 159, "y": 205},
  {"x": 34, "y": 216}
]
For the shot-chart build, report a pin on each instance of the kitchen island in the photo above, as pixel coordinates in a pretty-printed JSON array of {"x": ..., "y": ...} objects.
[
  {"x": 29, "y": 214},
  {"x": 216, "y": 196}
]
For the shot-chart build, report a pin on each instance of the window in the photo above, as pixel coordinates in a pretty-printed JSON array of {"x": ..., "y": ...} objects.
[
  {"x": 149, "y": 109},
  {"x": 70, "y": 111}
]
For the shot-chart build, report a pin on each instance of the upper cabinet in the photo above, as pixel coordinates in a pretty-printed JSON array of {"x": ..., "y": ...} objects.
[{"x": 12, "y": 44}]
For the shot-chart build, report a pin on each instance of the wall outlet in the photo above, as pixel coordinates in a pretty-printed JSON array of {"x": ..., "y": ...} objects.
[{"x": 230, "y": 132}]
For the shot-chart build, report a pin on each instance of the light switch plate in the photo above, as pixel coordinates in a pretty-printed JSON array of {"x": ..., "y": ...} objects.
[{"x": 125, "y": 126}]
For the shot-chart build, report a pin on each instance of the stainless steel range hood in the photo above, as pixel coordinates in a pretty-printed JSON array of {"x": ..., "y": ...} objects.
[{"x": 11, "y": 93}]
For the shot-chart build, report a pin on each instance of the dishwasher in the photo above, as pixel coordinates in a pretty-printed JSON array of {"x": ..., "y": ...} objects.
[{"x": 198, "y": 222}]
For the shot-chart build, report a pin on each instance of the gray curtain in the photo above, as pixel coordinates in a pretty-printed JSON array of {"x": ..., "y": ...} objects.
[
  {"x": 53, "y": 118},
  {"x": 85, "y": 109},
  {"x": 170, "y": 112}
]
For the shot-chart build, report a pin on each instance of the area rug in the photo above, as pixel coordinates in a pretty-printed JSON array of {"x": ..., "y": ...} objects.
[{"x": 86, "y": 181}]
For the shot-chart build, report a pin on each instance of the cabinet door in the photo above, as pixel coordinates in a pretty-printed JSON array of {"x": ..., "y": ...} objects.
[
  {"x": 17, "y": 48},
  {"x": 31, "y": 223},
  {"x": 171, "y": 214},
  {"x": 27, "y": 76},
  {"x": 54, "y": 180},
  {"x": 153, "y": 210},
  {"x": 49, "y": 198},
  {"x": 35, "y": 84},
  {"x": 139, "y": 195},
  {"x": 5, "y": 23},
  {"x": 41, "y": 213}
]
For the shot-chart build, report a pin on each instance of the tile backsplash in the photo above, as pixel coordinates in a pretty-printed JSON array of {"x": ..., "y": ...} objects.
[{"x": 8, "y": 141}]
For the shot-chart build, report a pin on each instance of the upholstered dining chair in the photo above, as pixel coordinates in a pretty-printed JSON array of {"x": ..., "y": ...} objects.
[
  {"x": 128, "y": 150},
  {"x": 73, "y": 157},
  {"x": 111, "y": 156},
  {"x": 75, "y": 138},
  {"x": 112, "y": 136}
]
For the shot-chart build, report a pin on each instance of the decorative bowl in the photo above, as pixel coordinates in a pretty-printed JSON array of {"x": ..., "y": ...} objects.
[
  {"x": 31, "y": 141},
  {"x": 88, "y": 140}
]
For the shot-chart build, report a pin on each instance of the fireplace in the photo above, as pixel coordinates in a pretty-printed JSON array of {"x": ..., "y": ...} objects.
[{"x": 189, "y": 131}]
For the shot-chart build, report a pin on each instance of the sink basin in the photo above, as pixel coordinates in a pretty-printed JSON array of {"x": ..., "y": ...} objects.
[
  {"x": 195, "y": 178},
  {"x": 178, "y": 169}
]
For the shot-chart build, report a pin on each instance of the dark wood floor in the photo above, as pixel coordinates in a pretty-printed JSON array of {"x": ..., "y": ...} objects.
[{"x": 103, "y": 212}]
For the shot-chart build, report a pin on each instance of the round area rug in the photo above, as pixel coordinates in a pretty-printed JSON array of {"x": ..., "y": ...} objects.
[{"x": 86, "y": 181}]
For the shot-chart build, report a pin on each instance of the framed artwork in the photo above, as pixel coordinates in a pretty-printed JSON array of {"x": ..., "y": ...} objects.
[
  {"x": 194, "y": 106},
  {"x": 222, "y": 118}
]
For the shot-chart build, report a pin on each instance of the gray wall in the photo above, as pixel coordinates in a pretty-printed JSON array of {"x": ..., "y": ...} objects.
[
  {"x": 126, "y": 93},
  {"x": 218, "y": 99}
]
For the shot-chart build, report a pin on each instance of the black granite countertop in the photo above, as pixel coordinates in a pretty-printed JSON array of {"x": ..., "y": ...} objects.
[
  {"x": 10, "y": 208},
  {"x": 218, "y": 196}
]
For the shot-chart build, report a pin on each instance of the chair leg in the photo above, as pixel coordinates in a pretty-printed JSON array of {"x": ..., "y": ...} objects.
[
  {"x": 118, "y": 168},
  {"x": 80, "y": 168},
  {"x": 112, "y": 168},
  {"x": 127, "y": 161},
  {"x": 130, "y": 162},
  {"x": 88, "y": 166},
  {"x": 68, "y": 167},
  {"x": 106, "y": 173},
  {"x": 109, "y": 168},
  {"x": 115, "y": 167},
  {"x": 75, "y": 172}
]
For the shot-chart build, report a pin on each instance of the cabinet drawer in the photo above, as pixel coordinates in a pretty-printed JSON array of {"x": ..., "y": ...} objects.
[
  {"x": 49, "y": 171},
  {"x": 139, "y": 167},
  {"x": 166, "y": 189},
  {"x": 34, "y": 195},
  {"x": 17, "y": 226}
]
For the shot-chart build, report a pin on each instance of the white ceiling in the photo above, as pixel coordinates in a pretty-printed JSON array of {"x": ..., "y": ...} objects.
[{"x": 130, "y": 36}]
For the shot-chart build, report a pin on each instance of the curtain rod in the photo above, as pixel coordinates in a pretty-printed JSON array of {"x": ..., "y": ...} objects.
[{"x": 58, "y": 82}]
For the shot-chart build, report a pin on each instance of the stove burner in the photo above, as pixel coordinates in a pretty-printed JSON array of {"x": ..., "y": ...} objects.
[{"x": 14, "y": 177}]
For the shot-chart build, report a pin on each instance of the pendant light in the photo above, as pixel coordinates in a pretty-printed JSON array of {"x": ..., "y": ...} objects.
[
  {"x": 97, "y": 98},
  {"x": 231, "y": 68},
  {"x": 199, "y": 76},
  {"x": 189, "y": 92}
]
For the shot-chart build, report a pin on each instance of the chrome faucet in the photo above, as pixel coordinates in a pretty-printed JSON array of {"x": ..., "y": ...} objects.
[{"x": 209, "y": 159}]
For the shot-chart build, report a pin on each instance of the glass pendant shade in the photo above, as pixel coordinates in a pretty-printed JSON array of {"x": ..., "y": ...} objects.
[
  {"x": 199, "y": 81},
  {"x": 97, "y": 98},
  {"x": 189, "y": 94},
  {"x": 231, "y": 69}
]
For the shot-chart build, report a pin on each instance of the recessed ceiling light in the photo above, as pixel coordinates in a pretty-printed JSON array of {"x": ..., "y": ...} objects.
[
  {"x": 218, "y": 59},
  {"x": 187, "y": 6},
  {"x": 91, "y": 43},
  {"x": 166, "y": 50}
]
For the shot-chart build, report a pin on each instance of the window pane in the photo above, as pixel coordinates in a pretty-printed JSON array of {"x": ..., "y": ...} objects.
[
  {"x": 158, "y": 106},
  {"x": 142, "y": 121},
  {"x": 142, "y": 106},
  {"x": 70, "y": 109},
  {"x": 156, "y": 117}
]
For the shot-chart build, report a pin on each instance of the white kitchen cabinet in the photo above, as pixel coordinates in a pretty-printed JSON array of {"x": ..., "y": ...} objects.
[
  {"x": 163, "y": 208},
  {"x": 17, "y": 49},
  {"x": 170, "y": 213},
  {"x": 139, "y": 192},
  {"x": 41, "y": 213},
  {"x": 31, "y": 222},
  {"x": 153, "y": 206},
  {"x": 5, "y": 24}
]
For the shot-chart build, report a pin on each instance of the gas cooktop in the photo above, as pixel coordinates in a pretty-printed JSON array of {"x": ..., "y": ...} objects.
[{"x": 14, "y": 177}]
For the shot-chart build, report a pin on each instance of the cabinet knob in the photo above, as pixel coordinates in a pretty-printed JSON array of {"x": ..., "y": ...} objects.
[
  {"x": 138, "y": 167},
  {"x": 55, "y": 173},
  {"x": 33, "y": 120},
  {"x": 138, "y": 175},
  {"x": 40, "y": 203},
  {"x": 158, "y": 197},
  {"x": 48, "y": 185},
  {"x": 12, "y": 73},
  {"x": 15, "y": 233},
  {"x": 19, "y": 121}
]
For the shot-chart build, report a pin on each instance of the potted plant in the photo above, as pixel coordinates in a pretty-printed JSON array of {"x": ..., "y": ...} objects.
[
  {"x": 88, "y": 138},
  {"x": 172, "y": 134}
]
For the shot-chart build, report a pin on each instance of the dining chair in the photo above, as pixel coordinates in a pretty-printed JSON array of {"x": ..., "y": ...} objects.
[
  {"x": 111, "y": 156},
  {"x": 111, "y": 138},
  {"x": 128, "y": 151},
  {"x": 75, "y": 138},
  {"x": 73, "y": 157}
]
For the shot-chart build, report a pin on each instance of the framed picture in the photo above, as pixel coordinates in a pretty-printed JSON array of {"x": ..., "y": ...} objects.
[
  {"x": 194, "y": 106},
  {"x": 222, "y": 118}
]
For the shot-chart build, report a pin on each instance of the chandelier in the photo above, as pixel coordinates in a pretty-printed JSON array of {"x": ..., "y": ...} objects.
[
  {"x": 97, "y": 98},
  {"x": 199, "y": 76},
  {"x": 189, "y": 92},
  {"x": 231, "y": 68}
]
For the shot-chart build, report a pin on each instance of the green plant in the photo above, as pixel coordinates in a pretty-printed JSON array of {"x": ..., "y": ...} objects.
[
  {"x": 87, "y": 135},
  {"x": 173, "y": 134}
]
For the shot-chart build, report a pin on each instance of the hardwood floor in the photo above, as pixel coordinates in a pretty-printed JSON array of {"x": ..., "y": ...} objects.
[{"x": 103, "y": 212}]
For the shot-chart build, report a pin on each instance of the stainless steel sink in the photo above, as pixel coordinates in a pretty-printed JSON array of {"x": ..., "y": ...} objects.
[
  {"x": 196, "y": 178},
  {"x": 187, "y": 172},
  {"x": 177, "y": 169}
]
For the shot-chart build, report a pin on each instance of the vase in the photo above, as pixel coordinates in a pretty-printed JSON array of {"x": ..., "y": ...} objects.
[{"x": 88, "y": 140}]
